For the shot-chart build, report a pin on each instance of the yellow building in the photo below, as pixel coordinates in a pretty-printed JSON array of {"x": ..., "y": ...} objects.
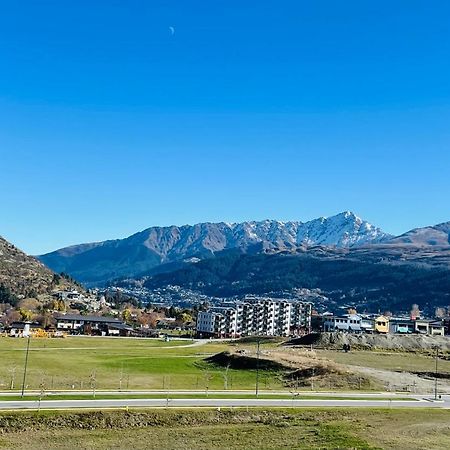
[{"x": 382, "y": 324}]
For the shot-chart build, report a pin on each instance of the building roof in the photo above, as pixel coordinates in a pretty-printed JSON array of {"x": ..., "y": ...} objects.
[
  {"x": 121, "y": 326},
  {"x": 21, "y": 325},
  {"x": 88, "y": 318}
]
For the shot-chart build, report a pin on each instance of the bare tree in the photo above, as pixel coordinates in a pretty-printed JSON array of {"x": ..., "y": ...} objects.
[
  {"x": 225, "y": 377},
  {"x": 208, "y": 377}
]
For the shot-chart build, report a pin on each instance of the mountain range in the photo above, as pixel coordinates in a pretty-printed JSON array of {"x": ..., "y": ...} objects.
[
  {"x": 97, "y": 263},
  {"x": 376, "y": 277},
  {"x": 341, "y": 260}
]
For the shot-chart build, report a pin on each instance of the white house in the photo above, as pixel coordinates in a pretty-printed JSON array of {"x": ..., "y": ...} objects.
[{"x": 347, "y": 322}]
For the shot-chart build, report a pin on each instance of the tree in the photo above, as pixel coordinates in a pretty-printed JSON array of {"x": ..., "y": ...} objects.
[
  {"x": 25, "y": 314},
  {"x": 6, "y": 296},
  {"x": 12, "y": 316},
  {"x": 415, "y": 312},
  {"x": 126, "y": 316}
]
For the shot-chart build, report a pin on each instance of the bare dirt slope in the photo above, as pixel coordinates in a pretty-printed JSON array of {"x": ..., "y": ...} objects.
[{"x": 406, "y": 343}]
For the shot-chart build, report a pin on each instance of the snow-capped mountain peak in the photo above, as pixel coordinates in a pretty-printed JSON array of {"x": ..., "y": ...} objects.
[{"x": 158, "y": 245}]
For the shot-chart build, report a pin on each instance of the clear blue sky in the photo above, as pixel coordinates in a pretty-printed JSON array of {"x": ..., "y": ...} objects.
[{"x": 110, "y": 123}]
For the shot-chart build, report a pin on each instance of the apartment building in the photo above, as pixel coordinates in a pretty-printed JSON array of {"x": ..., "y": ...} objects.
[{"x": 257, "y": 316}]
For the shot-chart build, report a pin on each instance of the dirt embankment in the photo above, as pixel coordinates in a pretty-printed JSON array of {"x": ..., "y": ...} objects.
[
  {"x": 408, "y": 343},
  {"x": 295, "y": 368}
]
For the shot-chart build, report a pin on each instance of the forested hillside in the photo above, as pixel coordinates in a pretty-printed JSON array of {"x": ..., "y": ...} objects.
[{"x": 375, "y": 279}]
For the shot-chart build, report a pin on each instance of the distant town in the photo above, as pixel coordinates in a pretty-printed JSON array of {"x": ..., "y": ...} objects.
[{"x": 111, "y": 313}]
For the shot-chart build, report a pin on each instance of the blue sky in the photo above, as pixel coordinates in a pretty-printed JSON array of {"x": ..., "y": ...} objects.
[{"x": 109, "y": 123}]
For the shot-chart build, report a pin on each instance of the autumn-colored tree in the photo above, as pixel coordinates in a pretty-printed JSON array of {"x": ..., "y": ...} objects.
[
  {"x": 12, "y": 316},
  {"x": 150, "y": 319},
  {"x": 126, "y": 316},
  {"x": 25, "y": 314},
  {"x": 46, "y": 319},
  {"x": 29, "y": 304},
  {"x": 186, "y": 317},
  {"x": 415, "y": 312}
]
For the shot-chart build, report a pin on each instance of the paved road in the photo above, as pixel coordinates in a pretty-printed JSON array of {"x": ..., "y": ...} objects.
[
  {"x": 211, "y": 393},
  {"x": 216, "y": 403}
]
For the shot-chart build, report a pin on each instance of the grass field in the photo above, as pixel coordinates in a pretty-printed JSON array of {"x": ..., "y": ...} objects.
[
  {"x": 236, "y": 429},
  {"x": 79, "y": 362}
]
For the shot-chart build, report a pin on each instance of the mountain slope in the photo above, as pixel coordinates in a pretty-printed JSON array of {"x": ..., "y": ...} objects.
[
  {"x": 24, "y": 275},
  {"x": 438, "y": 235},
  {"x": 377, "y": 277},
  {"x": 98, "y": 262}
]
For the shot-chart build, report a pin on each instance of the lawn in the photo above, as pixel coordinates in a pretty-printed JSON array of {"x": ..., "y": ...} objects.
[
  {"x": 80, "y": 362},
  {"x": 228, "y": 429}
]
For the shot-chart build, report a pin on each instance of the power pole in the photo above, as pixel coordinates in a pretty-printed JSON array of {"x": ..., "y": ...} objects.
[
  {"x": 257, "y": 367},
  {"x": 26, "y": 366},
  {"x": 93, "y": 383},
  {"x": 436, "y": 374}
]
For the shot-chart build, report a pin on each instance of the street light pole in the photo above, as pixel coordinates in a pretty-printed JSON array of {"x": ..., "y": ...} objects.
[
  {"x": 25, "y": 368},
  {"x": 435, "y": 373},
  {"x": 257, "y": 367}
]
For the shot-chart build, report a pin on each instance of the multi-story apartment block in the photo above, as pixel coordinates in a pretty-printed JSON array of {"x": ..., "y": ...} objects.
[{"x": 256, "y": 316}]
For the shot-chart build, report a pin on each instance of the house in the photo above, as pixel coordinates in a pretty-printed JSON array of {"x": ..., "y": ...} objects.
[
  {"x": 422, "y": 326},
  {"x": 347, "y": 322},
  {"x": 381, "y": 324},
  {"x": 367, "y": 324},
  {"x": 23, "y": 329},
  {"x": 120, "y": 329},
  {"x": 437, "y": 328},
  {"x": 401, "y": 325},
  {"x": 94, "y": 325}
]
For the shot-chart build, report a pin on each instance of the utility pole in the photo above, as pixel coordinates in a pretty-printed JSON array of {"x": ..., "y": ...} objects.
[
  {"x": 121, "y": 378},
  {"x": 436, "y": 374},
  {"x": 93, "y": 383},
  {"x": 26, "y": 366},
  {"x": 257, "y": 367}
]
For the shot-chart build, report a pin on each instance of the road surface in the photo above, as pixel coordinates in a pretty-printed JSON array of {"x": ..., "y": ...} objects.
[
  {"x": 211, "y": 392},
  {"x": 220, "y": 403}
]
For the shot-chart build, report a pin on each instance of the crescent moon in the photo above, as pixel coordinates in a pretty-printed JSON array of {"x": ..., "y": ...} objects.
[{"x": 172, "y": 30}]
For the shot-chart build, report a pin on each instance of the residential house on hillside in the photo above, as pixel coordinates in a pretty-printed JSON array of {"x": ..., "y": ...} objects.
[
  {"x": 401, "y": 325},
  {"x": 381, "y": 324},
  {"x": 346, "y": 322},
  {"x": 437, "y": 328},
  {"x": 93, "y": 325}
]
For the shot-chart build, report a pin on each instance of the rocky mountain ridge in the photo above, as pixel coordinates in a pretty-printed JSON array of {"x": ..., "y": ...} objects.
[
  {"x": 25, "y": 276},
  {"x": 143, "y": 251}
]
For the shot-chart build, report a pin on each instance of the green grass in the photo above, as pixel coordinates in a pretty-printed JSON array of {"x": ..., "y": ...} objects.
[
  {"x": 73, "y": 363},
  {"x": 235, "y": 429}
]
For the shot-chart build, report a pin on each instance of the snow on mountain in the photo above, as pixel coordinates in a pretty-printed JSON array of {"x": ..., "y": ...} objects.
[
  {"x": 158, "y": 245},
  {"x": 438, "y": 235}
]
